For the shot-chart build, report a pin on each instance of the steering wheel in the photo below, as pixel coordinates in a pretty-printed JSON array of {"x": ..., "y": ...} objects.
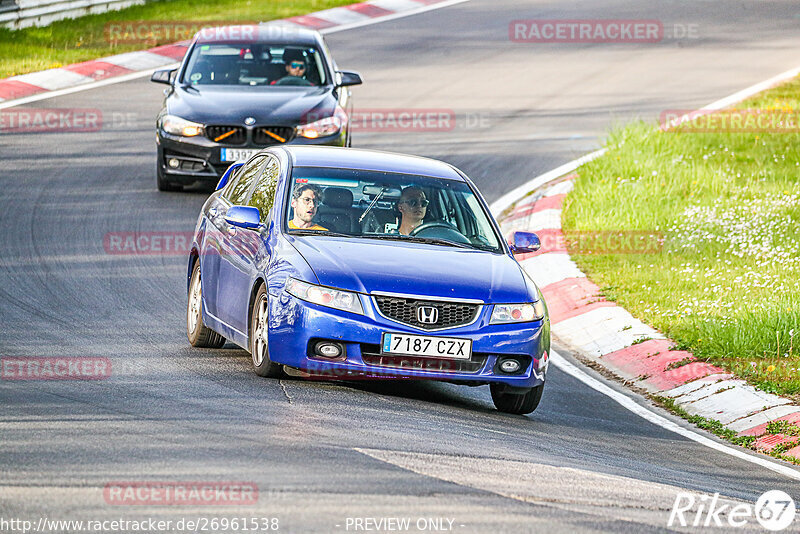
[
  {"x": 440, "y": 230},
  {"x": 293, "y": 80}
]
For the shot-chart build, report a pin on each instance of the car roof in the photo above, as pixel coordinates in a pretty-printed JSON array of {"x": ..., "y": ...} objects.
[
  {"x": 369, "y": 160},
  {"x": 271, "y": 33}
]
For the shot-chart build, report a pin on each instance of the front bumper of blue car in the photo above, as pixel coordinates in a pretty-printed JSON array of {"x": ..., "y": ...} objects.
[{"x": 299, "y": 329}]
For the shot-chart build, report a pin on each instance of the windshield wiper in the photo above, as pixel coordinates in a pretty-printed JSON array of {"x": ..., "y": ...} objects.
[{"x": 320, "y": 232}]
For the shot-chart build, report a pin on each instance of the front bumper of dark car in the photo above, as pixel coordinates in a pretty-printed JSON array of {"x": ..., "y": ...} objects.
[
  {"x": 297, "y": 326},
  {"x": 200, "y": 159}
]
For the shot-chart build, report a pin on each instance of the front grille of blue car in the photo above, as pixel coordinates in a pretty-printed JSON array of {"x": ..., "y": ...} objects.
[{"x": 404, "y": 310}]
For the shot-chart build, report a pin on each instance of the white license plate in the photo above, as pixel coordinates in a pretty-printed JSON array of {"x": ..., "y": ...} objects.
[
  {"x": 237, "y": 154},
  {"x": 434, "y": 347}
]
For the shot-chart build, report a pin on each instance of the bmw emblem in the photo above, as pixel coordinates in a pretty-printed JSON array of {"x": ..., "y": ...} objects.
[{"x": 249, "y": 121}]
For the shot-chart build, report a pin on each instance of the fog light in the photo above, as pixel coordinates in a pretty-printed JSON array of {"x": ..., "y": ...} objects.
[
  {"x": 174, "y": 163},
  {"x": 509, "y": 366},
  {"x": 328, "y": 350}
]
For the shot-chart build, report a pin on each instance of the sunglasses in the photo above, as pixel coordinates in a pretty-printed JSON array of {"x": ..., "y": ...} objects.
[
  {"x": 297, "y": 65},
  {"x": 415, "y": 202}
]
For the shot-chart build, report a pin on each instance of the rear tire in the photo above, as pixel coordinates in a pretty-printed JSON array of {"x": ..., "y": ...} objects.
[
  {"x": 198, "y": 333},
  {"x": 516, "y": 402},
  {"x": 259, "y": 332}
]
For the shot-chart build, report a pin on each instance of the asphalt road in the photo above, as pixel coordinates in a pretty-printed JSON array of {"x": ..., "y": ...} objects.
[{"x": 321, "y": 453}]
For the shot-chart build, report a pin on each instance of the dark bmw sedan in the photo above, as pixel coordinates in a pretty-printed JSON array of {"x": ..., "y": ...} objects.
[{"x": 242, "y": 88}]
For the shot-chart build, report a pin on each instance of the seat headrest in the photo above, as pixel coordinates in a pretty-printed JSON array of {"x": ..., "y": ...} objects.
[{"x": 337, "y": 197}]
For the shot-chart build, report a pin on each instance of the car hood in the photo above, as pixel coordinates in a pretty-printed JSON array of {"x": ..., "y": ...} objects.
[
  {"x": 231, "y": 105},
  {"x": 367, "y": 266}
]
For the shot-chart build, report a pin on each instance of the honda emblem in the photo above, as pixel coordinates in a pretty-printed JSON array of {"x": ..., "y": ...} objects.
[{"x": 427, "y": 315}]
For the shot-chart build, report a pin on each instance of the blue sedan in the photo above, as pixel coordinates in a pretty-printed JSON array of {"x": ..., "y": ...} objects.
[{"x": 350, "y": 264}]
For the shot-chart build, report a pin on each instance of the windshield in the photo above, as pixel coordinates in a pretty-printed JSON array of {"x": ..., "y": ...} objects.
[
  {"x": 392, "y": 206},
  {"x": 254, "y": 64}
]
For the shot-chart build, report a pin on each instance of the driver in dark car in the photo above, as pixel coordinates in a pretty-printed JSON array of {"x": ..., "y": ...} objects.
[
  {"x": 295, "y": 69},
  {"x": 412, "y": 207}
]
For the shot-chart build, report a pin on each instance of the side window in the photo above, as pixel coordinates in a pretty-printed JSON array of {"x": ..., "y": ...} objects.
[
  {"x": 264, "y": 193},
  {"x": 236, "y": 190}
]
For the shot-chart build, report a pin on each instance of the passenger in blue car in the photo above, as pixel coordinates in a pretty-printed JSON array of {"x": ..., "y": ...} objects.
[
  {"x": 412, "y": 207},
  {"x": 305, "y": 201}
]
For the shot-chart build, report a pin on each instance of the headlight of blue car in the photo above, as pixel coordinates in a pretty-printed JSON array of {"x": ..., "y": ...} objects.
[
  {"x": 325, "y": 296},
  {"x": 517, "y": 313}
]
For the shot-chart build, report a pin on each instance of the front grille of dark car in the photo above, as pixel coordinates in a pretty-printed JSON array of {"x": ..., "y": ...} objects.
[
  {"x": 260, "y": 137},
  {"x": 238, "y": 137},
  {"x": 404, "y": 310},
  {"x": 371, "y": 355}
]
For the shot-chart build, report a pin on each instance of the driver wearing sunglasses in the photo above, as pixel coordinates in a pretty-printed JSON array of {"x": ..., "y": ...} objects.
[
  {"x": 412, "y": 207},
  {"x": 295, "y": 70}
]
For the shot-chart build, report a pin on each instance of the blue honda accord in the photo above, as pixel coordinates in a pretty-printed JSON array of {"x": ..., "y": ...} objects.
[{"x": 350, "y": 264}]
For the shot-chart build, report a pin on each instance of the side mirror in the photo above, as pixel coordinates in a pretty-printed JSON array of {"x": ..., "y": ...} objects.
[
  {"x": 163, "y": 76},
  {"x": 243, "y": 217},
  {"x": 226, "y": 176},
  {"x": 525, "y": 242},
  {"x": 346, "y": 77}
]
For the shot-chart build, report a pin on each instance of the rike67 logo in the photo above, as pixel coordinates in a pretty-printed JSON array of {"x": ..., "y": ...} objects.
[{"x": 774, "y": 510}]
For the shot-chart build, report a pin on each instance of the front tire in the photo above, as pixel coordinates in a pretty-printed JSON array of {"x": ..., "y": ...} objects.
[
  {"x": 198, "y": 333},
  {"x": 516, "y": 402},
  {"x": 259, "y": 332}
]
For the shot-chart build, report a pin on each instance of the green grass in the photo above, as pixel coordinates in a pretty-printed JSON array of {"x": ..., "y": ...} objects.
[
  {"x": 726, "y": 282},
  {"x": 71, "y": 41}
]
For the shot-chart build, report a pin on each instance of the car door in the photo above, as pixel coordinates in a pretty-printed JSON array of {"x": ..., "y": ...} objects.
[
  {"x": 215, "y": 239},
  {"x": 246, "y": 250}
]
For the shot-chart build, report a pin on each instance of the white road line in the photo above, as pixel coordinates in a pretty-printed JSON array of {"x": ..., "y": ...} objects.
[
  {"x": 504, "y": 202},
  {"x": 142, "y": 74},
  {"x": 394, "y": 16},
  {"x": 648, "y": 415}
]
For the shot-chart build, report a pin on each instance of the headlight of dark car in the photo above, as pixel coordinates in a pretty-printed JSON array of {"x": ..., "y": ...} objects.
[
  {"x": 175, "y": 125},
  {"x": 323, "y": 127},
  {"x": 517, "y": 313},
  {"x": 325, "y": 296}
]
